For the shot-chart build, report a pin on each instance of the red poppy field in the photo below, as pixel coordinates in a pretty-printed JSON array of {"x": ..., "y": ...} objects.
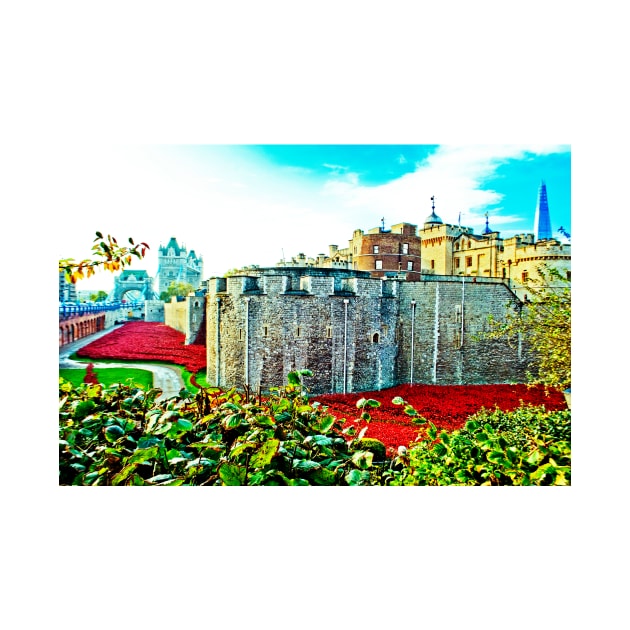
[
  {"x": 147, "y": 341},
  {"x": 447, "y": 406}
]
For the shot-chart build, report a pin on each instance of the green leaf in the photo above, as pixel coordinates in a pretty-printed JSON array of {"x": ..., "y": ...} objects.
[
  {"x": 232, "y": 421},
  {"x": 293, "y": 378},
  {"x": 471, "y": 425},
  {"x": 146, "y": 442},
  {"x": 432, "y": 431},
  {"x": 232, "y": 475},
  {"x": 241, "y": 448},
  {"x": 142, "y": 455},
  {"x": 113, "y": 432},
  {"x": 321, "y": 440},
  {"x": 367, "y": 402},
  {"x": 462, "y": 475},
  {"x": 362, "y": 459},
  {"x": 326, "y": 424},
  {"x": 357, "y": 478},
  {"x": 496, "y": 457},
  {"x": 298, "y": 482},
  {"x": 264, "y": 421},
  {"x": 439, "y": 449},
  {"x": 305, "y": 464},
  {"x": 324, "y": 477},
  {"x": 264, "y": 454},
  {"x": 123, "y": 474}
]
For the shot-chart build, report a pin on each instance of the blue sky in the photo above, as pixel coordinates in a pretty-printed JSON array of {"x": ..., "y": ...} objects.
[{"x": 238, "y": 205}]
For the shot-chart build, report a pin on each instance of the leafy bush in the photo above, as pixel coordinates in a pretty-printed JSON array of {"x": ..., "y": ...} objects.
[
  {"x": 529, "y": 446},
  {"x": 123, "y": 436}
]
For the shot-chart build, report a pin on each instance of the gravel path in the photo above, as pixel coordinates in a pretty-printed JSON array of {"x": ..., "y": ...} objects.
[{"x": 166, "y": 378}]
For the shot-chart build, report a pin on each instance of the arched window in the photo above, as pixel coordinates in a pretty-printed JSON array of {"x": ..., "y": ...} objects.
[{"x": 375, "y": 338}]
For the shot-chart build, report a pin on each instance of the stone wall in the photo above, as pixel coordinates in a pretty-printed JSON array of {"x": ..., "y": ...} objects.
[
  {"x": 186, "y": 315},
  {"x": 355, "y": 332},
  {"x": 154, "y": 311},
  {"x": 447, "y": 350}
]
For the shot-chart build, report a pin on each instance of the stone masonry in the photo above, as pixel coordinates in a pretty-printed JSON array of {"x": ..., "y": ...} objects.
[{"x": 356, "y": 332}]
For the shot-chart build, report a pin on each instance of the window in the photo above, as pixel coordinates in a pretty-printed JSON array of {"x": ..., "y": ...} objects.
[
  {"x": 378, "y": 264},
  {"x": 524, "y": 277},
  {"x": 433, "y": 264},
  {"x": 456, "y": 247},
  {"x": 568, "y": 275},
  {"x": 457, "y": 263},
  {"x": 405, "y": 248},
  {"x": 298, "y": 332},
  {"x": 375, "y": 338},
  {"x": 265, "y": 331},
  {"x": 468, "y": 261},
  {"x": 409, "y": 266},
  {"x": 241, "y": 334},
  {"x": 375, "y": 249},
  {"x": 329, "y": 332}
]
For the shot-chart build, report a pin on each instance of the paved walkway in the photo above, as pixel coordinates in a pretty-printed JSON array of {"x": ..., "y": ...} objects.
[{"x": 168, "y": 379}]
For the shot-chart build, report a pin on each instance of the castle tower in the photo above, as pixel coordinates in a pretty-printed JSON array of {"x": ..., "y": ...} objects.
[
  {"x": 176, "y": 264},
  {"x": 542, "y": 221}
]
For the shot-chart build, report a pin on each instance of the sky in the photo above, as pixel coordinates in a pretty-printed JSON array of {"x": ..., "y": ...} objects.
[{"x": 237, "y": 205}]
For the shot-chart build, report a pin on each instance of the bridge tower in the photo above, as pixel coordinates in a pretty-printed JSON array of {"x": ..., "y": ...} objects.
[{"x": 177, "y": 264}]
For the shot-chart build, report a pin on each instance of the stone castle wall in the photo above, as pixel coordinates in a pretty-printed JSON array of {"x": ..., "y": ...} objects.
[
  {"x": 355, "y": 332},
  {"x": 187, "y": 315},
  {"x": 154, "y": 311}
]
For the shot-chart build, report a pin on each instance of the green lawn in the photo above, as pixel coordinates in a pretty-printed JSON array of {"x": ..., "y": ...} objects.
[
  {"x": 110, "y": 376},
  {"x": 200, "y": 376}
]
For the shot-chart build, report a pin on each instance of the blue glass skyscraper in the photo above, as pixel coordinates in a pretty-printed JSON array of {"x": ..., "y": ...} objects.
[{"x": 542, "y": 221}]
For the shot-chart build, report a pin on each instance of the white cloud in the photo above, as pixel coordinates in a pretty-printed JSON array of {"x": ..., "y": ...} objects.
[{"x": 454, "y": 175}]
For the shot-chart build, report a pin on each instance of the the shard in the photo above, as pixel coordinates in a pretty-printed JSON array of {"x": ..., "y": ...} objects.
[{"x": 542, "y": 221}]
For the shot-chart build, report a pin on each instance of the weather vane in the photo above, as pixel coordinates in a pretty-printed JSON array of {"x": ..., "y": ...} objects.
[{"x": 433, "y": 202}]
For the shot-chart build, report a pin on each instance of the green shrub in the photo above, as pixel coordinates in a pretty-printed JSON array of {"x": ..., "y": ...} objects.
[
  {"x": 127, "y": 437},
  {"x": 528, "y": 446},
  {"x": 122, "y": 435}
]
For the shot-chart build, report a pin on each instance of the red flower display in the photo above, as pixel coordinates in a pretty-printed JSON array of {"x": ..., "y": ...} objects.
[
  {"x": 147, "y": 341},
  {"x": 447, "y": 406}
]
